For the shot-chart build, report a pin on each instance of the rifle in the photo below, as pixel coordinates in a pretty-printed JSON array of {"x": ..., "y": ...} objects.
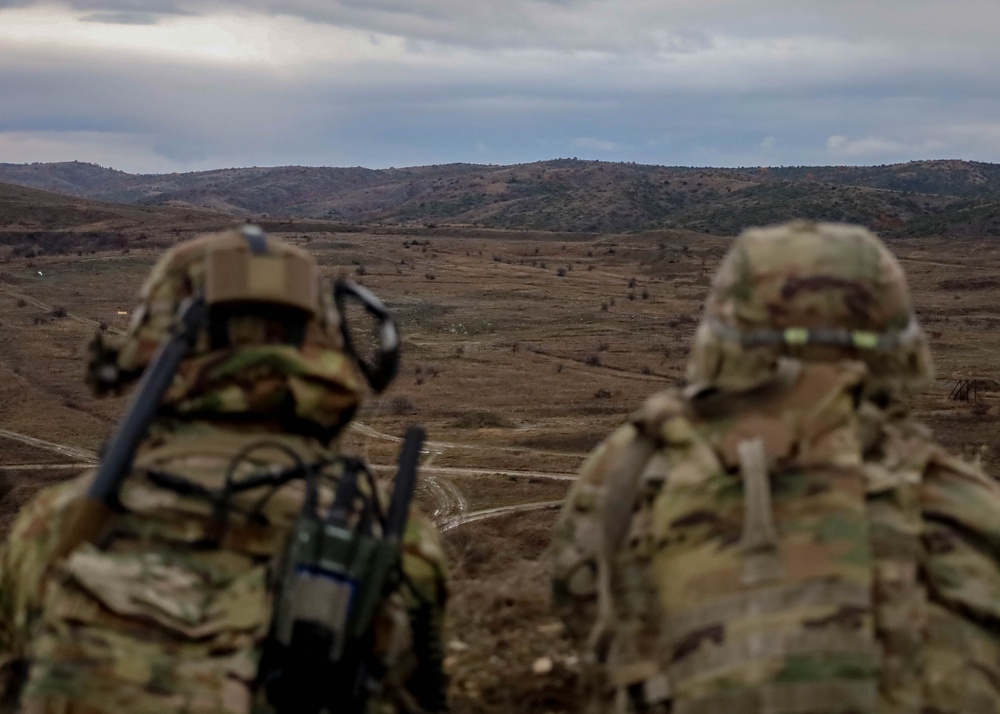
[{"x": 91, "y": 512}]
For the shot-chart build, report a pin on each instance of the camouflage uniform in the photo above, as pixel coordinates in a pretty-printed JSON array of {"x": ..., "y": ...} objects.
[
  {"x": 167, "y": 611},
  {"x": 783, "y": 537}
]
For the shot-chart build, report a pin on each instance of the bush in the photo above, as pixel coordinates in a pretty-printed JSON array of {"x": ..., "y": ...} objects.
[
  {"x": 59, "y": 311},
  {"x": 592, "y": 360},
  {"x": 400, "y": 405},
  {"x": 483, "y": 420}
]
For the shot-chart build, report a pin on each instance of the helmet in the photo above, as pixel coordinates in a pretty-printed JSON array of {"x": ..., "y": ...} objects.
[
  {"x": 811, "y": 291},
  {"x": 272, "y": 346}
]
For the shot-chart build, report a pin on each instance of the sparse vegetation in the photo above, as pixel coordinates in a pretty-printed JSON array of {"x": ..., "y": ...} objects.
[
  {"x": 537, "y": 410},
  {"x": 400, "y": 405}
]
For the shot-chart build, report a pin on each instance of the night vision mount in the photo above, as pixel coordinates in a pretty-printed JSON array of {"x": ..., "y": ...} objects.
[{"x": 384, "y": 366}]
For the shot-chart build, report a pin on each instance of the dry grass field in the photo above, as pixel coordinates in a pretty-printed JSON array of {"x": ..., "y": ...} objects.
[{"x": 520, "y": 352}]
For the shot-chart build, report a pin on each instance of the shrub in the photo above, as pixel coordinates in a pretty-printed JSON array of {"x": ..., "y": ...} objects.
[
  {"x": 400, "y": 405},
  {"x": 483, "y": 419},
  {"x": 59, "y": 311},
  {"x": 592, "y": 360}
]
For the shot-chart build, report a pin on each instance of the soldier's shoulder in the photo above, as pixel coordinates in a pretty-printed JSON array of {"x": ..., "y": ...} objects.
[
  {"x": 960, "y": 492},
  {"x": 424, "y": 559},
  {"x": 658, "y": 411},
  {"x": 42, "y": 512}
]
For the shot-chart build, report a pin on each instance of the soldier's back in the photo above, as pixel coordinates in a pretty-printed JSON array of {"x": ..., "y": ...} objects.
[
  {"x": 786, "y": 552},
  {"x": 170, "y": 610}
]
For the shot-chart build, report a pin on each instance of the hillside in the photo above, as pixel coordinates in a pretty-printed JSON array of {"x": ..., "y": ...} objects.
[
  {"x": 34, "y": 221},
  {"x": 561, "y": 195}
]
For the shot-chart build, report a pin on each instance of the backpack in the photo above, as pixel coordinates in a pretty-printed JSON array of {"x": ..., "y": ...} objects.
[
  {"x": 777, "y": 562},
  {"x": 170, "y": 612}
]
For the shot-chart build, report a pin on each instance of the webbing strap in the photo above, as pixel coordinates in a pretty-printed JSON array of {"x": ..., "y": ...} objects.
[
  {"x": 255, "y": 239},
  {"x": 834, "y": 696},
  {"x": 622, "y": 482},
  {"x": 759, "y": 541},
  {"x": 715, "y": 660},
  {"x": 760, "y": 602},
  {"x": 219, "y": 444}
]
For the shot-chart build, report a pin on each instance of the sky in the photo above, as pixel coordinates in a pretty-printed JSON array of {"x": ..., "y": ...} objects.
[{"x": 157, "y": 86}]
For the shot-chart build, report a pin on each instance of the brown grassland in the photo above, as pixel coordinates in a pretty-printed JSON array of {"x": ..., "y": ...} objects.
[{"x": 521, "y": 351}]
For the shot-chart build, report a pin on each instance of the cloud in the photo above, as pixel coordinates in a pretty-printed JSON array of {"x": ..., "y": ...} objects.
[
  {"x": 611, "y": 25},
  {"x": 122, "y": 18},
  {"x": 206, "y": 83},
  {"x": 842, "y": 146},
  {"x": 600, "y": 145}
]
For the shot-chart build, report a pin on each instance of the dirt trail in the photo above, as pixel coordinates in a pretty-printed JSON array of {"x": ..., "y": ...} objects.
[
  {"x": 436, "y": 446},
  {"x": 453, "y": 522},
  {"x": 451, "y": 509},
  {"x": 44, "y": 467},
  {"x": 71, "y": 451},
  {"x": 48, "y": 308}
]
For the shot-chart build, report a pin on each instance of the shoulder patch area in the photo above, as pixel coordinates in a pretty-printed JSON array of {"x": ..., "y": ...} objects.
[{"x": 661, "y": 410}]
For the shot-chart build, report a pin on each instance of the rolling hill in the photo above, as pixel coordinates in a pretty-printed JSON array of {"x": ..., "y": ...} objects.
[{"x": 560, "y": 195}]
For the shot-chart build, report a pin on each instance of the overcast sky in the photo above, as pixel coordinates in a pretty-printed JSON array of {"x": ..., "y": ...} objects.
[{"x": 180, "y": 85}]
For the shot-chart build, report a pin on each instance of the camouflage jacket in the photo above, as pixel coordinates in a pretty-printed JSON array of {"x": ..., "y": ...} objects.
[
  {"x": 877, "y": 590},
  {"x": 149, "y": 620}
]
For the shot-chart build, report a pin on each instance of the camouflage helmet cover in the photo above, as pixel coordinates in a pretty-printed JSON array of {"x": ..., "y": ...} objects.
[
  {"x": 813, "y": 291},
  {"x": 244, "y": 266}
]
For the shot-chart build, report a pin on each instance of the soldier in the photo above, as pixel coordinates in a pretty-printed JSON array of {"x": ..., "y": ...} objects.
[
  {"x": 171, "y": 605},
  {"x": 783, "y": 537}
]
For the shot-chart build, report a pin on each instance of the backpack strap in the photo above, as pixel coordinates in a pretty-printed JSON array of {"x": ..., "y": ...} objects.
[
  {"x": 621, "y": 490},
  {"x": 623, "y": 482},
  {"x": 759, "y": 541}
]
